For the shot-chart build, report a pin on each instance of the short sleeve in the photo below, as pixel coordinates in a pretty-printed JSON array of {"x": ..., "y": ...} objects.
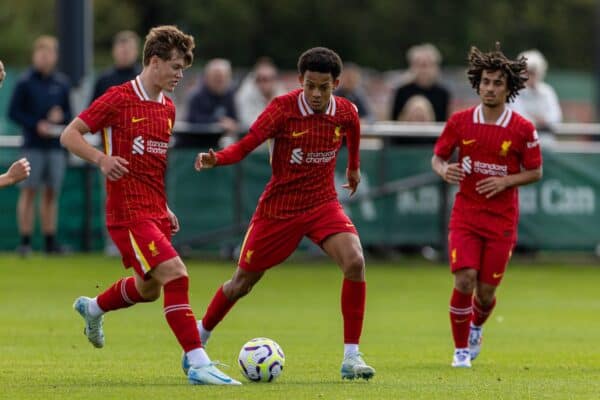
[
  {"x": 532, "y": 154},
  {"x": 103, "y": 111},
  {"x": 446, "y": 143}
]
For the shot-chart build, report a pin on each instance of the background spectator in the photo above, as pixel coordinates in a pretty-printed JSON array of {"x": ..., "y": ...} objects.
[
  {"x": 125, "y": 51},
  {"x": 258, "y": 88},
  {"x": 417, "y": 109},
  {"x": 424, "y": 68},
  {"x": 213, "y": 102},
  {"x": 538, "y": 101},
  {"x": 2, "y": 73},
  {"x": 350, "y": 88},
  {"x": 39, "y": 103}
]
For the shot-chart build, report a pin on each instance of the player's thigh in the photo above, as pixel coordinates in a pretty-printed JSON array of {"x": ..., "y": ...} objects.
[
  {"x": 326, "y": 222},
  {"x": 143, "y": 245},
  {"x": 269, "y": 242},
  {"x": 37, "y": 161},
  {"x": 55, "y": 171},
  {"x": 465, "y": 249},
  {"x": 496, "y": 255}
]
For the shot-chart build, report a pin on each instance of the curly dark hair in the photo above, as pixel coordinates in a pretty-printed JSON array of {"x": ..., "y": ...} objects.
[
  {"x": 320, "y": 59},
  {"x": 515, "y": 71}
]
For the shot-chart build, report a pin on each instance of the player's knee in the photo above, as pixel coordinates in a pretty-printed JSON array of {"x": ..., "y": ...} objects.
[
  {"x": 485, "y": 297},
  {"x": 150, "y": 294},
  {"x": 354, "y": 267},
  {"x": 465, "y": 281}
]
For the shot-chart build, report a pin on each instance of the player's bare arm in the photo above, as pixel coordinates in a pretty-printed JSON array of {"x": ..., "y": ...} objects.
[
  {"x": 18, "y": 171},
  {"x": 205, "y": 160},
  {"x": 113, "y": 167},
  {"x": 450, "y": 172},
  {"x": 353, "y": 177},
  {"x": 494, "y": 185}
]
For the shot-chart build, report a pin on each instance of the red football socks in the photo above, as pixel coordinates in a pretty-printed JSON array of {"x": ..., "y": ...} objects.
[
  {"x": 480, "y": 313},
  {"x": 121, "y": 294},
  {"x": 353, "y": 309},
  {"x": 179, "y": 314},
  {"x": 217, "y": 309},
  {"x": 460, "y": 317}
]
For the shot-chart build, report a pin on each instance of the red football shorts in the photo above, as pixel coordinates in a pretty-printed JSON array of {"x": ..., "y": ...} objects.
[
  {"x": 144, "y": 245},
  {"x": 466, "y": 249},
  {"x": 269, "y": 241}
]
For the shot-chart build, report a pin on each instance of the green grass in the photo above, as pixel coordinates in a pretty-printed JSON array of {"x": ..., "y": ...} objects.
[{"x": 541, "y": 342}]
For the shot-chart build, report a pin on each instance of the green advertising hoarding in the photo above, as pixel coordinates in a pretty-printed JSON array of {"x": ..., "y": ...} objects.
[{"x": 560, "y": 212}]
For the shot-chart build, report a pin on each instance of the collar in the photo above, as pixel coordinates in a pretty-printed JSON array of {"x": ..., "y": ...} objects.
[
  {"x": 502, "y": 121},
  {"x": 305, "y": 108},
  {"x": 139, "y": 90}
]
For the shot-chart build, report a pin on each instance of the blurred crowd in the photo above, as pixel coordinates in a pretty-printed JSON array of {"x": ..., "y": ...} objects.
[{"x": 217, "y": 96}]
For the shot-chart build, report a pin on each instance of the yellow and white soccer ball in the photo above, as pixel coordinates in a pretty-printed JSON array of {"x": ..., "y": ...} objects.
[{"x": 261, "y": 360}]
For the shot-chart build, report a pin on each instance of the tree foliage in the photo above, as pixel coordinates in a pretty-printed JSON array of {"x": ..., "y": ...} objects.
[{"x": 370, "y": 32}]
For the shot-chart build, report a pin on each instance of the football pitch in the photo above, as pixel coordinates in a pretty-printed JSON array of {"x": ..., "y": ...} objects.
[{"x": 542, "y": 342}]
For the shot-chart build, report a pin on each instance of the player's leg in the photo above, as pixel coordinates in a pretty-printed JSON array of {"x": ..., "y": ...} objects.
[
  {"x": 496, "y": 255},
  {"x": 240, "y": 284},
  {"x": 345, "y": 249},
  {"x": 172, "y": 276},
  {"x": 267, "y": 243},
  {"x": 331, "y": 228},
  {"x": 465, "y": 254},
  {"x": 121, "y": 294}
]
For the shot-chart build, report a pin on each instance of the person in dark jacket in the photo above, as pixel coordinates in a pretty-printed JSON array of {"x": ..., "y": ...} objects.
[
  {"x": 40, "y": 105},
  {"x": 424, "y": 61},
  {"x": 125, "y": 53},
  {"x": 350, "y": 88},
  {"x": 213, "y": 102}
]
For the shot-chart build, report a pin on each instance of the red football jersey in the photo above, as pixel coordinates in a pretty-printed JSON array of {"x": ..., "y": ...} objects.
[
  {"x": 304, "y": 148},
  {"x": 487, "y": 150},
  {"x": 138, "y": 129}
]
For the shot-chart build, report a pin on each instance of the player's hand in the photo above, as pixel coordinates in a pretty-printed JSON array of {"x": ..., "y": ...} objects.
[
  {"x": 205, "y": 160},
  {"x": 18, "y": 171},
  {"x": 113, "y": 167},
  {"x": 489, "y": 187},
  {"x": 453, "y": 173},
  {"x": 174, "y": 221},
  {"x": 353, "y": 177}
]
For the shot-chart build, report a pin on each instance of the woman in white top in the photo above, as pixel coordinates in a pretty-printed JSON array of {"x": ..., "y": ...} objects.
[{"x": 538, "y": 101}]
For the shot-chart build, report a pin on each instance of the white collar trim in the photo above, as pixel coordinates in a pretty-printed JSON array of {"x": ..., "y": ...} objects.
[
  {"x": 305, "y": 108},
  {"x": 502, "y": 121},
  {"x": 139, "y": 90}
]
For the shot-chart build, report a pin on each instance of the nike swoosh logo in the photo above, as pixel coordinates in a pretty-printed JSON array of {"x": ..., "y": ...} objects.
[
  {"x": 226, "y": 380},
  {"x": 135, "y": 120},
  {"x": 468, "y": 142},
  {"x": 298, "y": 134},
  {"x": 496, "y": 276},
  {"x": 349, "y": 225},
  {"x": 460, "y": 321}
]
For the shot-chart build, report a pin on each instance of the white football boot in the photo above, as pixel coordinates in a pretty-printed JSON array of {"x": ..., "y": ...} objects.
[{"x": 461, "y": 359}]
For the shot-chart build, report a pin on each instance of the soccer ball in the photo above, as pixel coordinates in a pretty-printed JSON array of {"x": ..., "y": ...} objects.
[{"x": 261, "y": 360}]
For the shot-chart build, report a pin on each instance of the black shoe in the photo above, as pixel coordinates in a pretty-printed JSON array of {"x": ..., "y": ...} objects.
[
  {"x": 24, "y": 250},
  {"x": 57, "y": 250}
]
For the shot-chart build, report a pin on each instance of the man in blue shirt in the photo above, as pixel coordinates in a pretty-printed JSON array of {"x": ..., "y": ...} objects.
[{"x": 40, "y": 104}]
